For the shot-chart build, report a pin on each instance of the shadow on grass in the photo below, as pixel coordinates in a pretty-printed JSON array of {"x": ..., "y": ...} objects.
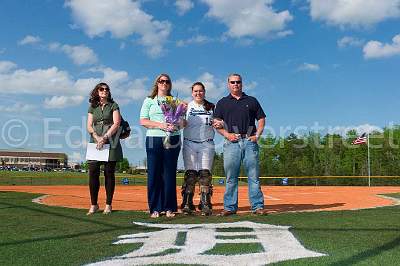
[
  {"x": 56, "y": 214},
  {"x": 109, "y": 227},
  {"x": 289, "y": 207},
  {"x": 26, "y": 241},
  {"x": 347, "y": 230},
  {"x": 300, "y": 207},
  {"x": 363, "y": 256}
]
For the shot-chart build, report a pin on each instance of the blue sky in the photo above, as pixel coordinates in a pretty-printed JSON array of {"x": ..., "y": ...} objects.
[{"x": 333, "y": 64}]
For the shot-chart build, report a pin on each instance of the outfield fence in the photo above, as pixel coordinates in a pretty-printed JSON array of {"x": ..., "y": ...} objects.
[{"x": 331, "y": 180}]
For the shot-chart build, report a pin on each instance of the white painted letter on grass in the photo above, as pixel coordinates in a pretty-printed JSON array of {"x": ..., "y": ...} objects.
[{"x": 278, "y": 242}]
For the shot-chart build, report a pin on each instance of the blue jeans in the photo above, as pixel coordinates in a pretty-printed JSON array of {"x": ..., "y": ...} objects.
[
  {"x": 234, "y": 153},
  {"x": 161, "y": 173}
]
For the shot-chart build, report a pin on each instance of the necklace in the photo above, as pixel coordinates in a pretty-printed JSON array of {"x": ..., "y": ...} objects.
[{"x": 159, "y": 102}]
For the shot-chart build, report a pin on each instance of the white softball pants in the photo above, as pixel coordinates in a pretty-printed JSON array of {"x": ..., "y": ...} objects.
[{"x": 198, "y": 156}]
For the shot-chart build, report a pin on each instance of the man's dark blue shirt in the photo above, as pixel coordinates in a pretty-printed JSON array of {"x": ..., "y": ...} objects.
[{"x": 239, "y": 115}]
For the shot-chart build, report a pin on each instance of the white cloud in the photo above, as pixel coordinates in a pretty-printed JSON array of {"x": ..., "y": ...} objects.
[
  {"x": 183, "y": 6},
  {"x": 349, "y": 41},
  {"x": 137, "y": 89},
  {"x": 114, "y": 78},
  {"x": 354, "y": 13},
  {"x": 79, "y": 54},
  {"x": 285, "y": 33},
  {"x": 251, "y": 85},
  {"x": 122, "y": 86},
  {"x": 64, "y": 90},
  {"x": 29, "y": 39},
  {"x": 215, "y": 87},
  {"x": 49, "y": 81},
  {"x": 18, "y": 107},
  {"x": 182, "y": 87},
  {"x": 60, "y": 102},
  {"x": 308, "y": 67},
  {"x": 375, "y": 49},
  {"x": 6, "y": 66},
  {"x": 121, "y": 18},
  {"x": 249, "y": 18},
  {"x": 54, "y": 82},
  {"x": 367, "y": 128},
  {"x": 244, "y": 42},
  {"x": 198, "y": 39},
  {"x": 85, "y": 85},
  {"x": 300, "y": 4},
  {"x": 60, "y": 90}
]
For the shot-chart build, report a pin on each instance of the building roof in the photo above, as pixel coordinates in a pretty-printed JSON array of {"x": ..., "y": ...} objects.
[{"x": 33, "y": 154}]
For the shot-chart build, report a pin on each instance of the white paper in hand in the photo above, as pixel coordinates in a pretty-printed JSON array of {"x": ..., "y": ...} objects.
[{"x": 97, "y": 155}]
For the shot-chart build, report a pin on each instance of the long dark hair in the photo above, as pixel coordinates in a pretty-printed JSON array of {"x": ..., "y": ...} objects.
[
  {"x": 94, "y": 99},
  {"x": 207, "y": 105},
  {"x": 154, "y": 89}
]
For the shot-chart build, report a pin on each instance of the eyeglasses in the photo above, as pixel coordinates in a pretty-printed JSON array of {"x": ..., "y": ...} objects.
[
  {"x": 235, "y": 82},
  {"x": 164, "y": 81},
  {"x": 104, "y": 89}
]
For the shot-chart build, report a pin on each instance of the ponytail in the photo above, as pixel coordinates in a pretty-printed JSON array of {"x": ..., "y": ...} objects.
[{"x": 208, "y": 105}]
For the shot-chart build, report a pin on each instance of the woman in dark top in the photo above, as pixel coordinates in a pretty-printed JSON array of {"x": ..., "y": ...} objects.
[{"x": 103, "y": 122}]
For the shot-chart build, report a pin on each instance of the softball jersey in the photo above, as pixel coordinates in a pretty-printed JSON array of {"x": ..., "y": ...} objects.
[{"x": 198, "y": 145}]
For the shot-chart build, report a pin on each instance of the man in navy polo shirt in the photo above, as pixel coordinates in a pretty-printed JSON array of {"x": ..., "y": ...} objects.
[{"x": 238, "y": 113}]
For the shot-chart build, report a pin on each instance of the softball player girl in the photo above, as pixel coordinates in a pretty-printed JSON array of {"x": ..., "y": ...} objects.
[{"x": 198, "y": 151}]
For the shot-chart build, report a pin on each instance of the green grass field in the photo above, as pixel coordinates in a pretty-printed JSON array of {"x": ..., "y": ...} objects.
[
  {"x": 77, "y": 178},
  {"x": 11, "y": 178},
  {"x": 33, "y": 234},
  {"x": 59, "y": 178}
]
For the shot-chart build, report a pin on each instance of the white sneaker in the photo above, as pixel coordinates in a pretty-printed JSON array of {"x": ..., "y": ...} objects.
[
  {"x": 93, "y": 209},
  {"x": 155, "y": 215},
  {"x": 170, "y": 214},
  {"x": 107, "y": 209}
]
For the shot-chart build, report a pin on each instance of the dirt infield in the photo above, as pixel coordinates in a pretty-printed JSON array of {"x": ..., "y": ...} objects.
[{"x": 277, "y": 199}]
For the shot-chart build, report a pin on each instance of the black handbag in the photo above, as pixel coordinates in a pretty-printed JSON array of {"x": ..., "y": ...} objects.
[
  {"x": 123, "y": 132},
  {"x": 124, "y": 129}
]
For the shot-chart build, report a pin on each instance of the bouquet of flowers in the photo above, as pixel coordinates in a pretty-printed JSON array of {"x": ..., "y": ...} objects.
[{"x": 173, "y": 109}]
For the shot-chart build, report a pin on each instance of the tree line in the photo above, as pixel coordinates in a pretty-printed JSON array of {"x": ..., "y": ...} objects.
[
  {"x": 329, "y": 155},
  {"x": 317, "y": 155}
]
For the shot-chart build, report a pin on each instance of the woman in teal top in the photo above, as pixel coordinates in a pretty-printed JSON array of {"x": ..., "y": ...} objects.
[
  {"x": 161, "y": 161},
  {"x": 102, "y": 124}
]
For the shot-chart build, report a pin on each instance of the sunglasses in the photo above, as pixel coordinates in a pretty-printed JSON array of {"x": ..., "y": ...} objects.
[
  {"x": 164, "y": 81},
  {"x": 235, "y": 82},
  {"x": 104, "y": 89}
]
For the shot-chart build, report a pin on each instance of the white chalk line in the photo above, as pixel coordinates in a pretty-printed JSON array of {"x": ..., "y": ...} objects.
[{"x": 39, "y": 200}]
